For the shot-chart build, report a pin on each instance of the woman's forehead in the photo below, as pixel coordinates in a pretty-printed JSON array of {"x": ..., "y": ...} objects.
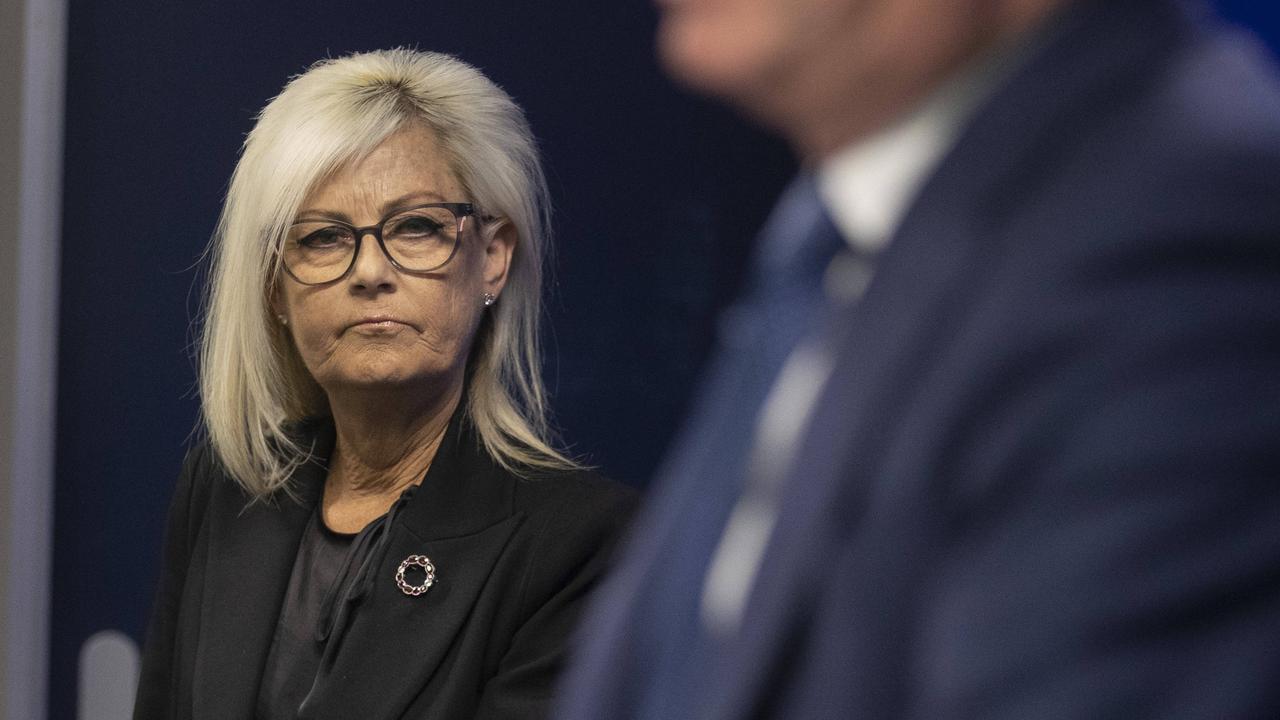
[{"x": 409, "y": 164}]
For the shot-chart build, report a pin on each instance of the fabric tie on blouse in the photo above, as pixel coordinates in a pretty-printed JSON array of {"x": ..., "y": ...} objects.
[{"x": 356, "y": 576}]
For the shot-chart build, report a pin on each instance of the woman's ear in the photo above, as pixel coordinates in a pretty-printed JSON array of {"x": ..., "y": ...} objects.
[
  {"x": 500, "y": 245},
  {"x": 275, "y": 304}
]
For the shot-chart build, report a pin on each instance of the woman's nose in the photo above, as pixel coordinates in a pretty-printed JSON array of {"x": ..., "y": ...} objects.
[{"x": 372, "y": 267}]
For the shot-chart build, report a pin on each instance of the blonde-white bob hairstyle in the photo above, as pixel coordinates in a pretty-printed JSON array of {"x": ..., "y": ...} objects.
[{"x": 253, "y": 384}]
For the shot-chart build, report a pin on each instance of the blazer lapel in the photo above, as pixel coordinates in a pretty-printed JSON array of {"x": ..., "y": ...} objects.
[
  {"x": 251, "y": 554},
  {"x": 920, "y": 279},
  {"x": 462, "y": 519}
]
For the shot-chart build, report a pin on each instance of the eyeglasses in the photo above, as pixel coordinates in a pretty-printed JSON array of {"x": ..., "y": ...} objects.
[{"x": 417, "y": 240}]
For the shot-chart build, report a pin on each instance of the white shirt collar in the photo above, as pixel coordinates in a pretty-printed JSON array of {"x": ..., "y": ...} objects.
[{"x": 868, "y": 185}]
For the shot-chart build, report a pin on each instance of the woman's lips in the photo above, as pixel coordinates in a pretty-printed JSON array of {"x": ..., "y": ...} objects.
[{"x": 378, "y": 326}]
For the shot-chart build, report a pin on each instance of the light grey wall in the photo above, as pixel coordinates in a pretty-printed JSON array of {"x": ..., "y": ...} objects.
[
  {"x": 10, "y": 75},
  {"x": 10, "y": 113},
  {"x": 32, "y": 60}
]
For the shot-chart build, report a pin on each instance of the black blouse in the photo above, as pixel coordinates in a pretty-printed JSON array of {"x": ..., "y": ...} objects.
[{"x": 325, "y": 588}]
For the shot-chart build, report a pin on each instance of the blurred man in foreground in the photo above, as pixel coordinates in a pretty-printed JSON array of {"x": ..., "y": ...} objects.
[{"x": 994, "y": 431}]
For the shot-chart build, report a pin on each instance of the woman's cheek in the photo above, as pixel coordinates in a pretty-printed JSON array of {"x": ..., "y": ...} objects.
[{"x": 315, "y": 346}]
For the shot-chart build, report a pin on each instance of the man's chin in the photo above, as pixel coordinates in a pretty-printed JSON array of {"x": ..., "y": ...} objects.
[
  {"x": 698, "y": 58},
  {"x": 726, "y": 68}
]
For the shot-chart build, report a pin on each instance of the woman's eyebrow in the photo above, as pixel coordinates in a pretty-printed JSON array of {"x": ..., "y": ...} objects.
[
  {"x": 387, "y": 208},
  {"x": 411, "y": 198},
  {"x": 321, "y": 213}
]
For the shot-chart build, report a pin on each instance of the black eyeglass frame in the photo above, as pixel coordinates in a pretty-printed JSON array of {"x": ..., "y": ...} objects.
[{"x": 461, "y": 211}]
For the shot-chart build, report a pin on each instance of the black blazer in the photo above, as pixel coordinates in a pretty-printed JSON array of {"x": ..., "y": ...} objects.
[{"x": 514, "y": 559}]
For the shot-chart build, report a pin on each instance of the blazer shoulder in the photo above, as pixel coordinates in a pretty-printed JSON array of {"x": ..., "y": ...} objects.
[
  {"x": 1211, "y": 123},
  {"x": 573, "y": 519},
  {"x": 200, "y": 470},
  {"x": 204, "y": 485},
  {"x": 573, "y": 493}
]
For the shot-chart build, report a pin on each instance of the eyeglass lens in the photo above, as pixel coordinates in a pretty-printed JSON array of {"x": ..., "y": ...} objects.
[{"x": 419, "y": 240}]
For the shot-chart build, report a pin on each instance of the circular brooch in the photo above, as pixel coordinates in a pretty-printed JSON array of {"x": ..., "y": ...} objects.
[{"x": 418, "y": 561}]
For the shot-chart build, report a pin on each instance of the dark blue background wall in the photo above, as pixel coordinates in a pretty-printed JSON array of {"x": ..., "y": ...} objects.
[{"x": 159, "y": 97}]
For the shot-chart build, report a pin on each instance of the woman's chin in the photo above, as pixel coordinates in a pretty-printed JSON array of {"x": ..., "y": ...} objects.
[
  {"x": 382, "y": 378},
  {"x": 378, "y": 379},
  {"x": 371, "y": 367}
]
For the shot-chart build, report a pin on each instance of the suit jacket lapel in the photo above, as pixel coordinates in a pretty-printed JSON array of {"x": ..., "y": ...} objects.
[
  {"x": 461, "y": 518},
  {"x": 251, "y": 556},
  {"x": 922, "y": 276}
]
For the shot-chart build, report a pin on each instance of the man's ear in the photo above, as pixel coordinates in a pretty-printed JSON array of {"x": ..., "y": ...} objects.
[{"x": 501, "y": 239}]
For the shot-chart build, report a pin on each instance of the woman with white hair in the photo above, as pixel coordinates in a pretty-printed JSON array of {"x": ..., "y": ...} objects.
[{"x": 377, "y": 525}]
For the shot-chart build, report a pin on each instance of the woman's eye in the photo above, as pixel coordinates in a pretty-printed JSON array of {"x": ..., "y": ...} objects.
[
  {"x": 414, "y": 226},
  {"x": 326, "y": 237}
]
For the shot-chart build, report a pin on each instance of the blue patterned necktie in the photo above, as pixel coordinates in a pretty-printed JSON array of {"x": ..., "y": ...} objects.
[{"x": 783, "y": 304}]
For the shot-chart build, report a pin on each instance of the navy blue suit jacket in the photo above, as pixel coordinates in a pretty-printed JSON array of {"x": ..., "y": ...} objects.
[{"x": 1044, "y": 481}]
